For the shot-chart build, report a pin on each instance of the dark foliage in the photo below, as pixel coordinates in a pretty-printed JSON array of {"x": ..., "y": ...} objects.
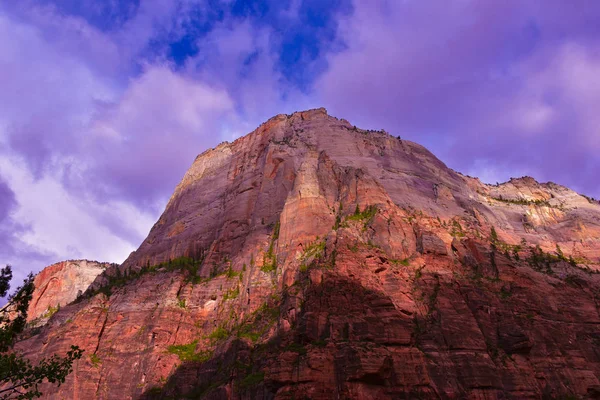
[{"x": 19, "y": 378}]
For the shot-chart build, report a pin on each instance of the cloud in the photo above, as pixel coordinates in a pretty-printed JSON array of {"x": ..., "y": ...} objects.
[
  {"x": 132, "y": 138},
  {"x": 44, "y": 103},
  {"x": 108, "y": 103},
  {"x": 96, "y": 133},
  {"x": 139, "y": 145},
  {"x": 90, "y": 153},
  {"x": 59, "y": 223},
  {"x": 510, "y": 85},
  {"x": 242, "y": 59},
  {"x": 13, "y": 250}
]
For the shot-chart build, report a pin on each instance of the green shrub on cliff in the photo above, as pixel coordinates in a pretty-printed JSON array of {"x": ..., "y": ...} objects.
[
  {"x": 365, "y": 215},
  {"x": 313, "y": 252},
  {"x": 232, "y": 293},
  {"x": 252, "y": 380},
  {"x": 51, "y": 311},
  {"x": 187, "y": 352},
  {"x": 270, "y": 258}
]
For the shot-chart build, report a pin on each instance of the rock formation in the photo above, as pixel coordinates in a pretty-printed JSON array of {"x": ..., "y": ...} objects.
[
  {"x": 59, "y": 284},
  {"x": 312, "y": 259}
]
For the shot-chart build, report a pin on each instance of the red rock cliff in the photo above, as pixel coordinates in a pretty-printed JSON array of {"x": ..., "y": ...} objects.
[
  {"x": 59, "y": 284},
  {"x": 313, "y": 259}
]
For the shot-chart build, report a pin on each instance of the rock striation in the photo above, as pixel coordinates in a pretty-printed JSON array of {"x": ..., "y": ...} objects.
[
  {"x": 59, "y": 284},
  {"x": 313, "y": 259}
]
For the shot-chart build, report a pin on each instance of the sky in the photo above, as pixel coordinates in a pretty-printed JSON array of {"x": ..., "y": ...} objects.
[{"x": 105, "y": 104}]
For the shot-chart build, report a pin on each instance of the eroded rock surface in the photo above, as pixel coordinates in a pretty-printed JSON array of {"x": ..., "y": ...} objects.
[
  {"x": 313, "y": 259},
  {"x": 59, "y": 284}
]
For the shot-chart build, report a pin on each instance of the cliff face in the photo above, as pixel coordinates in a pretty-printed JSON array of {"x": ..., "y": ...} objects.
[
  {"x": 312, "y": 259},
  {"x": 59, "y": 284}
]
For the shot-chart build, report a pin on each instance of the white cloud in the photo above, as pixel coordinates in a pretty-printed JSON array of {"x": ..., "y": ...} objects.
[
  {"x": 90, "y": 155},
  {"x": 60, "y": 223}
]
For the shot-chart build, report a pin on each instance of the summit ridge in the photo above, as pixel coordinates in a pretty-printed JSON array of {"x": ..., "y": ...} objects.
[{"x": 314, "y": 259}]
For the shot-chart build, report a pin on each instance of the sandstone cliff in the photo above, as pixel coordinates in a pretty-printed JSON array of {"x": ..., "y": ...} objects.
[
  {"x": 59, "y": 284},
  {"x": 313, "y": 259}
]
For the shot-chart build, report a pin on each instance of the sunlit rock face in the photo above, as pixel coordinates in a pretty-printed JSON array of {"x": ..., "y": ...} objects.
[
  {"x": 59, "y": 284},
  {"x": 313, "y": 259}
]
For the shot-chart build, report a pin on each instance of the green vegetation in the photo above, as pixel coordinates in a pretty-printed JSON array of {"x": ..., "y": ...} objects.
[
  {"x": 181, "y": 302},
  {"x": 313, "y": 252},
  {"x": 509, "y": 250},
  {"x": 141, "y": 331},
  {"x": 418, "y": 272},
  {"x": 559, "y": 253},
  {"x": 493, "y": 242},
  {"x": 371, "y": 245},
  {"x": 269, "y": 264},
  {"x": 270, "y": 258},
  {"x": 246, "y": 331},
  {"x": 296, "y": 348},
  {"x": 187, "y": 352},
  {"x": 230, "y": 274},
  {"x": 232, "y": 293},
  {"x": 515, "y": 254},
  {"x": 405, "y": 262},
  {"x": 276, "y": 231},
  {"x": 51, "y": 311},
  {"x": 523, "y": 202},
  {"x": 95, "y": 360},
  {"x": 332, "y": 258},
  {"x": 259, "y": 322},
  {"x": 494, "y": 237},
  {"x": 338, "y": 218},
  {"x": 572, "y": 261},
  {"x": 366, "y": 215},
  {"x": 188, "y": 265},
  {"x": 284, "y": 141},
  {"x": 19, "y": 378},
  {"x": 457, "y": 229},
  {"x": 542, "y": 261},
  {"x": 252, "y": 380},
  {"x": 219, "y": 333}
]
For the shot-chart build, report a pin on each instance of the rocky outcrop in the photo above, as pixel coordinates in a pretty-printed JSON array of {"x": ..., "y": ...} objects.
[
  {"x": 313, "y": 259},
  {"x": 59, "y": 284},
  {"x": 428, "y": 243}
]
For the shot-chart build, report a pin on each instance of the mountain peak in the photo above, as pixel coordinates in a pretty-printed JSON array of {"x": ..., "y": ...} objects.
[{"x": 311, "y": 258}]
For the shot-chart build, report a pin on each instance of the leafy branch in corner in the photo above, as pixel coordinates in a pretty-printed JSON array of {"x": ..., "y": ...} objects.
[{"x": 19, "y": 378}]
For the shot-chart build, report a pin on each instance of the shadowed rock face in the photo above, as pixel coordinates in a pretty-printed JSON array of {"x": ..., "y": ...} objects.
[
  {"x": 59, "y": 284},
  {"x": 324, "y": 261}
]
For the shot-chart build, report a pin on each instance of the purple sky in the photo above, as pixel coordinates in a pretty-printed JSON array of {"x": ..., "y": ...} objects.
[{"x": 104, "y": 105}]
